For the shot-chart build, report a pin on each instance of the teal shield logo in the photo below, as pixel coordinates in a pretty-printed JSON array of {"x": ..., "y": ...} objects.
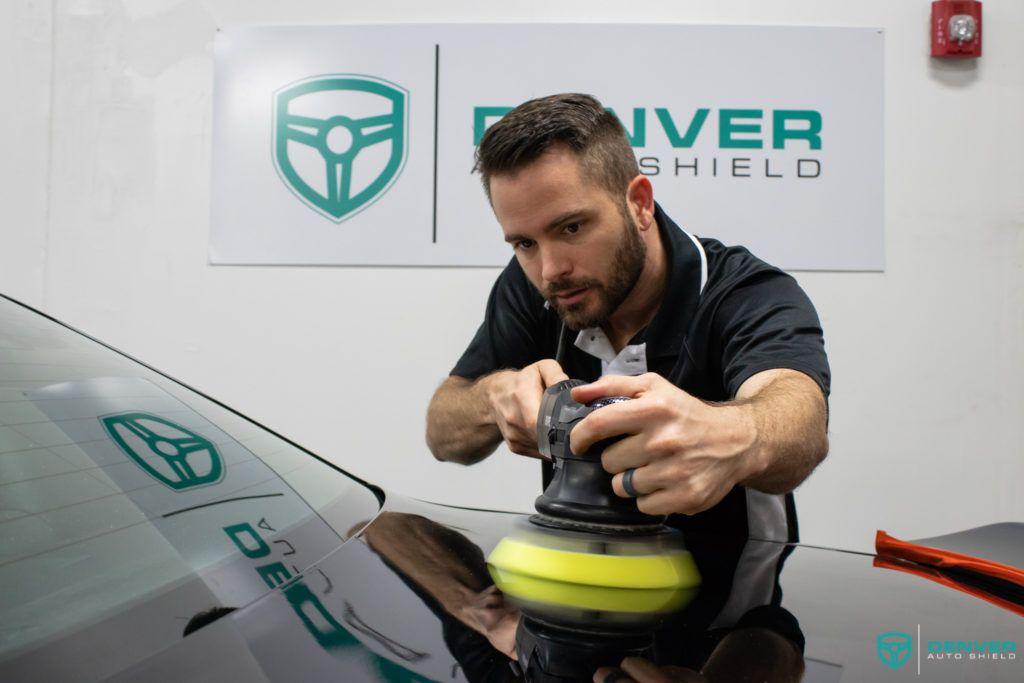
[
  {"x": 894, "y": 648},
  {"x": 340, "y": 141},
  {"x": 171, "y": 454}
]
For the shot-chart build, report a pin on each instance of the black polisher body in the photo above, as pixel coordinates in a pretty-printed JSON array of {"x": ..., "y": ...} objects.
[{"x": 580, "y": 495}]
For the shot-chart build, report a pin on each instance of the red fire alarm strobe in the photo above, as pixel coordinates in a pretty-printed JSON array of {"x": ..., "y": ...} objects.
[{"x": 956, "y": 28}]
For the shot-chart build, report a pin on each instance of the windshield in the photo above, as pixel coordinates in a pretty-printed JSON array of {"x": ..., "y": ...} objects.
[{"x": 121, "y": 489}]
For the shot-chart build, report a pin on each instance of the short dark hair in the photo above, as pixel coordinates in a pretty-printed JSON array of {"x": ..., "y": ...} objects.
[{"x": 578, "y": 122}]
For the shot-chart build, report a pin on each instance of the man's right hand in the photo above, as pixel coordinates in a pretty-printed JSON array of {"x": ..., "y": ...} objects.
[
  {"x": 515, "y": 396},
  {"x": 467, "y": 419}
]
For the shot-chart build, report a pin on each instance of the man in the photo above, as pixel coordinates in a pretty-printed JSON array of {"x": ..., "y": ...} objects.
[{"x": 722, "y": 353}]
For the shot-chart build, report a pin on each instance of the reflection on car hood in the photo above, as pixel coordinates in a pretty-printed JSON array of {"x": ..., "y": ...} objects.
[{"x": 393, "y": 605}]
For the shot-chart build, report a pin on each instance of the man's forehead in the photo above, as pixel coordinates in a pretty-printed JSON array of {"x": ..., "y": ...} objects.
[{"x": 538, "y": 194}]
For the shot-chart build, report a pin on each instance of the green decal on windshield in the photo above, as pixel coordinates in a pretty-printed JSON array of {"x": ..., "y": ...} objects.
[
  {"x": 173, "y": 455},
  {"x": 327, "y": 131},
  {"x": 328, "y": 631},
  {"x": 894, "y": 648}
]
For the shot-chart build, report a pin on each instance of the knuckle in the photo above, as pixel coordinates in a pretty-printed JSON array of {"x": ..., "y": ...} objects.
[
  {"x": 660, "y": 445},
  {"x": 578, "y": 446},
  {"x": 594, "y": 420},
  {"x": 660, "y": 406},
  {"x": 608, "y": 464},
  {"x": 521, "y": 395},
  {"x": 698, "y": 497},
  {"x": 580, "y": 432},
  {"x": 520, "y": 447},
  {"x": 647, "y": 506},
  {"x": 678, "y": 473},
  {"x": 508, "y": 416},
  {"x": 617, "y": 487}
]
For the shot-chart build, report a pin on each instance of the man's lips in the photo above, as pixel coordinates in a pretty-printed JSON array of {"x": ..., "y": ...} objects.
[{"x": 569, "y": 297}]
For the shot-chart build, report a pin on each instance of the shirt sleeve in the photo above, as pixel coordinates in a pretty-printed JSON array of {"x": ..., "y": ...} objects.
[
  {"x": 514, "y": 332},
  {"x": 767, "y": 322}
]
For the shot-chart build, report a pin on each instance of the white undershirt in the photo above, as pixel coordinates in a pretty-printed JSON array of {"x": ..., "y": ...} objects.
[{"x": 631, "y": 360}]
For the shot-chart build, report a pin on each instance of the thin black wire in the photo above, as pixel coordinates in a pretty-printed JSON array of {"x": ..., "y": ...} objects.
[{"x": 560, "y": 351}]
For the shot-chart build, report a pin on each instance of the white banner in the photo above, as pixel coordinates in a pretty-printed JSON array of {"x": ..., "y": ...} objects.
[{"x": 354, "y": 144}]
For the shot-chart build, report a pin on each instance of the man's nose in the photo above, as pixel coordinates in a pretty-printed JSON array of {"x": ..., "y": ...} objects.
[{"x": 555, "y": 265}]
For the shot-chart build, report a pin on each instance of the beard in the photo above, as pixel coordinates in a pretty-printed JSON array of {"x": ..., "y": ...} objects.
[{"x": 627, "y": 265}]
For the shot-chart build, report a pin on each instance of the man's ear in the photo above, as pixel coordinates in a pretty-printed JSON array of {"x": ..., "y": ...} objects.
[{"x": 640, "y": 201}]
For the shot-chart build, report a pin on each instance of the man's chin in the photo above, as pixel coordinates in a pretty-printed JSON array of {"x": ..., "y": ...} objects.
[{"x": 578, "y": 318}]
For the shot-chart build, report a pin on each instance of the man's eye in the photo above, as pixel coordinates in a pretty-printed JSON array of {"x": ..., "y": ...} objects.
[
  {"x": 521, "y": 245},
  {"x": 571, "y": 228}
]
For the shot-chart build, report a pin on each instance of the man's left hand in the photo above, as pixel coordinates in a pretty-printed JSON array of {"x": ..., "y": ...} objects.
[
  {"x": 639, "y": 670},
  {"x": 687, "y": 454}
]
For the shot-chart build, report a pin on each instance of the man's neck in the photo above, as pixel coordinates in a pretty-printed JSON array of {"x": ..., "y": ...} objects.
[{"x": 639, "y": 308}]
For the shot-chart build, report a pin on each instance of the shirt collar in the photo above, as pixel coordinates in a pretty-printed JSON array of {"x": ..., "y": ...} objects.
[{"x": 687, "y": 276}]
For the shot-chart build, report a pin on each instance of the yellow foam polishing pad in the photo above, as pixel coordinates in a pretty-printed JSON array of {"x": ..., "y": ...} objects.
[
  {"x": 671, "y": 570},
  {"x": 601, "y": 598}
]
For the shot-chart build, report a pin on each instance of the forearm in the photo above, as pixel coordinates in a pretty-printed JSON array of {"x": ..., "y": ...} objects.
[
  {"x": 754, "y": 654},
  {"x": 787, "y": 416},
  {"x": 460, "y": 423}
]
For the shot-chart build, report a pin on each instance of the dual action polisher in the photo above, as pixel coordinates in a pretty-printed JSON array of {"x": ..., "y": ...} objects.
[{"x": 592, "y": 575}]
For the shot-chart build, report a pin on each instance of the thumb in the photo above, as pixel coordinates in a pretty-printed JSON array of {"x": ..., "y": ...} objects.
[{"x": 551, "y": 372}]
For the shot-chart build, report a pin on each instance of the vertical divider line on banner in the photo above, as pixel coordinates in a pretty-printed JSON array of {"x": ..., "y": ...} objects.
[{"x": 437, "y": 83}]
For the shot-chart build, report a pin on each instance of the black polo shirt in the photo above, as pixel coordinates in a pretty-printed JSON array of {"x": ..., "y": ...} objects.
[{"x": 726, "y": 315}]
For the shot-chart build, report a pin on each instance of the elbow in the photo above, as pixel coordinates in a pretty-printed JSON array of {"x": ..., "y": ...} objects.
[
  {"x": 815, "y": 445},
  {"x": 817, "y": 450},
  {"x": 446, "y": 449},
  {"x": 804, "y": 460},
  {"x": 435, "y": 442},
  {"x": 439, "y": 455}
]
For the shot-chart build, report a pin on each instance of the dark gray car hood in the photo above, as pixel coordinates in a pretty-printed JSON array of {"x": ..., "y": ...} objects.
[{"x": 358, "y": 618}]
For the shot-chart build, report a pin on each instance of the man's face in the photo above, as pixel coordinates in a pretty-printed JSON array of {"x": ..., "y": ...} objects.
[{"x": 575, "y": 242}]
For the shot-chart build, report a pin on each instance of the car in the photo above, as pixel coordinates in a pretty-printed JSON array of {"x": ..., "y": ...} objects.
[{"x": 150, "y": 533}]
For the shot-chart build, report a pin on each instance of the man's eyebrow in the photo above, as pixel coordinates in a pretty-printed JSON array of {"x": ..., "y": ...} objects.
[
  {"x": 557, "y": 221},
  {"x": 567, "y": 217}
]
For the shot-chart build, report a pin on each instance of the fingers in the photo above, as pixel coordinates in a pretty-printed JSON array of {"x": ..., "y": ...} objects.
[
  {"x": 523, "y": 445},
  {"x": 611, "y": 674},
  {"x": 531, "y": 383},
  {"x": 638, "y": 485},
  {"x": 614, "y": 385},
  {"x": 651, "y": 495},
  {"x": 664, "y": 487},
  {"x": 644, "y": 671},
  {"x": 669, "y": 501},
  {"x": 550, "y": 372},
  {"x": 528, "y": 395},
  {"x": 659, "y": 494},
  {"x": 638, "y": 670},
  {"x": 628, "y": 417},
  {"x": 518, "y": 402}
]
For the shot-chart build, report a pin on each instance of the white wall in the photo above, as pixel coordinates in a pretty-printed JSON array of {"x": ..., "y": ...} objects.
[
  {"x": 26, "y": 60},
  {"x": 106, "y": 177}
]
